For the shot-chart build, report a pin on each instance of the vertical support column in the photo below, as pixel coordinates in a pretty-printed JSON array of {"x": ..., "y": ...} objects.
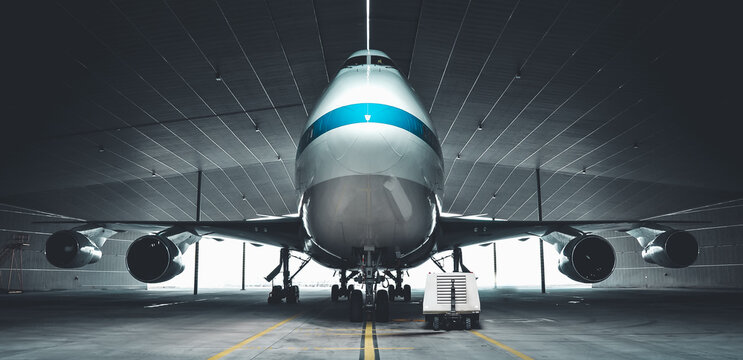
[
  {"x": 541, "y": 242},
  {"x": 196, "y": 253},
  {"x": 495, "y": 267},
  {"x": 243, "y": 288}
]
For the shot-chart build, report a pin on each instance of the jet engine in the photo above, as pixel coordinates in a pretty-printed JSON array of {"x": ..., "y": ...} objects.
[
  {"x": 154, "y": 259},
  {"x": 71, "y": 249},
  {"x": 672, "y": 249},
  {"x": 587, "y": 259}
]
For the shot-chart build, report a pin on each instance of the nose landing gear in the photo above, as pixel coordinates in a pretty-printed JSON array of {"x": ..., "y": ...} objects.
[{"x": 373, "y": 302}]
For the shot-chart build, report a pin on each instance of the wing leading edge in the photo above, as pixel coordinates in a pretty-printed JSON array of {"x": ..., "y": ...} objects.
[
  {"x": 458, "y": 231},
  {"x": 285, "y": 232}
]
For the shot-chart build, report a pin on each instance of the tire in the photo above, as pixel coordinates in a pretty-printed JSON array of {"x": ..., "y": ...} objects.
[
  {"x": 350, "y": 291},
  {"x": 391, "y": 291},
  {"x": 291, "y": 295},
  {"x": 274, "y": 297},
  {"x": 355, "y": 304},
  {"x": 383, "y": 306},
  {"x": 334, "y": 293},
  {"x": 468, "y": 323},
  {"x": 406, "y": 293},
  {"x": 429, "y": 320},
  {"x": 436, "y": 323}
]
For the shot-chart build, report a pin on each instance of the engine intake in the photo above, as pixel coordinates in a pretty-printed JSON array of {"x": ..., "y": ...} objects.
[
  {"x": 71, "y": 249},
  {"x": 672, "y": 249},
  {"x": 154, "y": 259},
  {"x": 587, "y": 259}
]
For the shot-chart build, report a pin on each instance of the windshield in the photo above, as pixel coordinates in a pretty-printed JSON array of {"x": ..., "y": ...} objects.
[{"x": 375, "y": 60}]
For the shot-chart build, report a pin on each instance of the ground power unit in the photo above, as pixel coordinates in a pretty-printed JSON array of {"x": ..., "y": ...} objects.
[{"x": 451, "y": 301}]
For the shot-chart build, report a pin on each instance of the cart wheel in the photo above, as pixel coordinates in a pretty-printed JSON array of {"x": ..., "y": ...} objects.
[
  {"x": 436, "y": 323},
  {"x": 468, "y": 323}
]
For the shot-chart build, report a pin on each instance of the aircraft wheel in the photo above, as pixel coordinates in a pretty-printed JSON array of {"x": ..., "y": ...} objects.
[
  {"x": 383, "y": 306},
  {"x": 291, "y": 295},
  {"x": 391, "y": 290},
  {"x": 355, "y": 304},
  {"x": 350, "y": 291},
  {"x": 334, "y": 293},
  {"x": 406, "y": 293},
  {"x": 274, "y": 297}
]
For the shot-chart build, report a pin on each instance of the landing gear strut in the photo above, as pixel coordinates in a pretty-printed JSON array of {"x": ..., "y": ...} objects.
[
  {"x": 288, "y": 291},
  {"x": 372, "y": 303}
]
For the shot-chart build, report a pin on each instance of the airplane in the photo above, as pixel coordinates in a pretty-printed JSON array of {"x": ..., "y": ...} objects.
[{"x": 369, "y": 169}]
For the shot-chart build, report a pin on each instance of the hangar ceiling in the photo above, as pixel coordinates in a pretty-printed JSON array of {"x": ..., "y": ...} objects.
[{"x": 625, "y": 105}]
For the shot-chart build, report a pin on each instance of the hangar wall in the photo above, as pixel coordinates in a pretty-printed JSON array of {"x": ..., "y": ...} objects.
[
  {"x": 38, "y": 275},
  {"x": 720, "y": 261}
]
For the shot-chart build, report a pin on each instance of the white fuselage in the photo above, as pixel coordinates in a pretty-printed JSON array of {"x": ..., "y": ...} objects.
[{"x": 369, "y": 168}]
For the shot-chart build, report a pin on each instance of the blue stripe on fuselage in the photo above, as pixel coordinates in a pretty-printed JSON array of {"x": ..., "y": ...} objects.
[{"x": 379, "y": 113}]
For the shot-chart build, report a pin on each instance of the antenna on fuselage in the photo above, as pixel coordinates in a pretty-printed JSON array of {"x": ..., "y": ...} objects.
[{"x": 368, "y": 52}]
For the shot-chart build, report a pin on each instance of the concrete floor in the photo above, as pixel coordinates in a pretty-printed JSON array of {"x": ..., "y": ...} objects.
[{"x": 564, "y": 324}]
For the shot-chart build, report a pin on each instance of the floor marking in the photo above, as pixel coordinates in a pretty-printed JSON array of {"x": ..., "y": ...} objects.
[
  {"x": 173, "y": 303},
  {"x": 307, "y": 348},
  {"x": 369, "y": 341},
  {"x": 502, "y": 346},
  {"x": 408, "y": 320},
  {"x": 251, "y": 339}
]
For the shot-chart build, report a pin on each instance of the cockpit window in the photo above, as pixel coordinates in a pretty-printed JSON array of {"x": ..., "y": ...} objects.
[{"x": 375, "y": 60}]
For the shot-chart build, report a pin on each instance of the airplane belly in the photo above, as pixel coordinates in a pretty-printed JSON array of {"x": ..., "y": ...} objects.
[{"x": 347, "y": 213}]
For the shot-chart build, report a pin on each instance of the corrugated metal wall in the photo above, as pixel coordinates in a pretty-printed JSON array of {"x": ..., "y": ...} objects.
[
  {"x": 720, "y": 262},
  {"x": 110, "y": 272}
]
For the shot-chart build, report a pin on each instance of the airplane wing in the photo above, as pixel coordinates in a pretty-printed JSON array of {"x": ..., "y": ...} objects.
[
  {"x": 276, "y": 231},
  {"x": 463, "y": 231}
]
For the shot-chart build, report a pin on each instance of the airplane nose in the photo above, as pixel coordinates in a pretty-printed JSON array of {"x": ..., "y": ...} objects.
[{"x": 367, "y": 148}]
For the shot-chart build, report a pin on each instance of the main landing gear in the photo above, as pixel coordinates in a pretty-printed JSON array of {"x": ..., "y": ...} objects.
[
  {"x": 344, "y": 290},
  {"x": 398, "y": 290},
  {"x": 288, "y": 291}
]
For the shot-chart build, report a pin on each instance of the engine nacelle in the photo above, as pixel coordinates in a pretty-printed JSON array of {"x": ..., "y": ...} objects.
[
  {"x": 587, "y": 259},
  {"x": 154, "y": 259},
  {"x": 71, "y": 249},
  {"x": 672, "y": 249}
]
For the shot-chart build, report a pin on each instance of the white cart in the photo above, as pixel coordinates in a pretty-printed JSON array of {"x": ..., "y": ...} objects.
[{"x": 451, "y": 301}]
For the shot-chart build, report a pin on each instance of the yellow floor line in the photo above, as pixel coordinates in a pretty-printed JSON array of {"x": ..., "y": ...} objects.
[
  {"x": 502, "y": 346},
  {"x": 251, "y": 339},
  {"x": 369, "y": 342}
]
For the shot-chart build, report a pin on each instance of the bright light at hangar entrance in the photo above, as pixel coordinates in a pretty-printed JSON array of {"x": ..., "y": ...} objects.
[{"x": 220, "y": 266}]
